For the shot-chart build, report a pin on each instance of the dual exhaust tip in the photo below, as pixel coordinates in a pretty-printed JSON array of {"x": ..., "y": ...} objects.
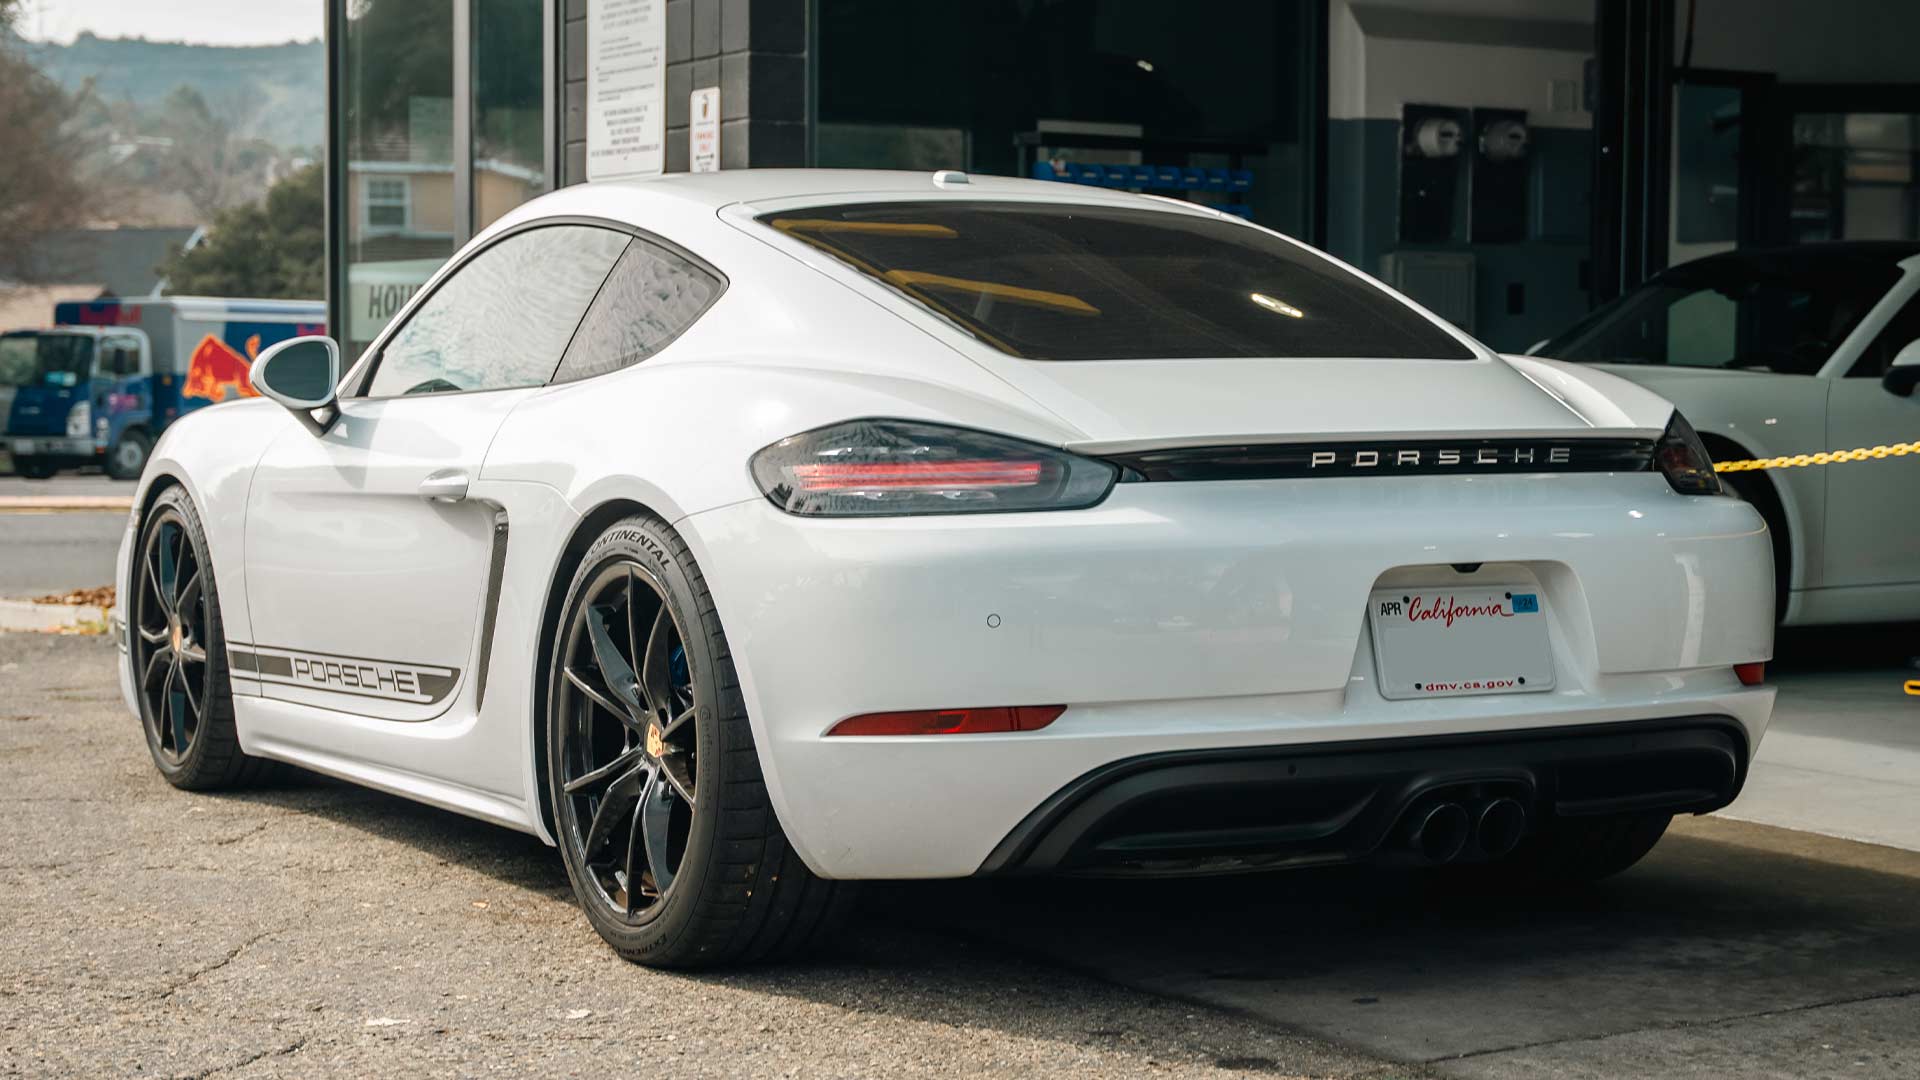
[{"x": 1440, "y": 832}]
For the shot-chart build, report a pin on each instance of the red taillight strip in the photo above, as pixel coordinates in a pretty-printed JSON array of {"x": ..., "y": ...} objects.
[
  {"x": 950, "y": 721},
  {"x": 944, "y": 475},
  {"x": 1751, "y": 674}
]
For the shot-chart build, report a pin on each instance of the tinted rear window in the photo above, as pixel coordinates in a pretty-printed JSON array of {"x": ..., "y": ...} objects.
[{"x": 1051, "y": 281}]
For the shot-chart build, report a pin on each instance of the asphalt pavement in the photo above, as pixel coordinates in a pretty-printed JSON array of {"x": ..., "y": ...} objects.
[
  {"x": 47, "y": 552},
  {"x": 310, "y": 927}
]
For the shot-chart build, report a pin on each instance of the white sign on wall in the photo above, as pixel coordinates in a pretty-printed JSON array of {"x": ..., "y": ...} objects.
[
  {"x": 626, "y": 88},
  {"x": 703, "y": 136}
]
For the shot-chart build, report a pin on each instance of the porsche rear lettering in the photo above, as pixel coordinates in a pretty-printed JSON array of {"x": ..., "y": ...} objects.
[{"x": 1516, "y": 456}]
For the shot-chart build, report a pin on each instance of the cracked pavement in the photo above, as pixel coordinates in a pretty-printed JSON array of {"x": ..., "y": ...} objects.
[{"x": 311, "y": 928}]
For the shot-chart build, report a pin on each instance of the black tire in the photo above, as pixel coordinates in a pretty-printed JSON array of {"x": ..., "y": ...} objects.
[
  {"x": 1757, "y": 491},
  {"x": 34, "y": 469},
  {"x": 1576, "y": 851},
  {"x": 211, "y": 756},
  {"x": 128, "y": 457},
  {"x": 738, "y": 893}
]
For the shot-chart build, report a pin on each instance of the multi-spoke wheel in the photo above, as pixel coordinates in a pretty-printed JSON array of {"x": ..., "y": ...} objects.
[
  {"x": 659, "y": 809},
  {"x": 627, "y": 725},
  {"x": 178, "y": 652},
  {"x": 170, "y": 620}
]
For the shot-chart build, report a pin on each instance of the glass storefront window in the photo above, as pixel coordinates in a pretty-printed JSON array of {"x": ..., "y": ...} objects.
[
  {"x": 995, "y": 88},
  {"x": 398, "y": 205},
  {"x": 1854, "y": 176},
  {"x": 509, "y": 109},
  {"x": 412, "y": 187}
]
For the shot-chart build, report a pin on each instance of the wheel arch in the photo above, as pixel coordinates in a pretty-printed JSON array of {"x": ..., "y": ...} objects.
[
  {"x": 585, "y": 532},
  {"x": 155, "y": 488},
  {"x": 1780, "y": 515}
]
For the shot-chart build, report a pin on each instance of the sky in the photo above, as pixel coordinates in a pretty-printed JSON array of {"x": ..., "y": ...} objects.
[{"x": 218, "y": 22}]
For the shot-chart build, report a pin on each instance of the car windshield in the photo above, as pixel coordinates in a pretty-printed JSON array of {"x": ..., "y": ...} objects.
[
  {"x": 1051, "y": 281},
  {"x": 54, "y": 359},
  {"x": 1737, "y": 314}
]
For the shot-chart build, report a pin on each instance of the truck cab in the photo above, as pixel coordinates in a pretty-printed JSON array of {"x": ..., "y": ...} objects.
[
  {"x": 101, "y": 385},
  {"x": 58, "y": 387}
]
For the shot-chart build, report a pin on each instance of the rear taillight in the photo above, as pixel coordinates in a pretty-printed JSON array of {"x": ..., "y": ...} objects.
[
  {"x": 1750, "y": 674},
  {"x": 950, "y": 721},
  {"x": 1682, "y": 458},
  {"x": 867, "y": 468}
]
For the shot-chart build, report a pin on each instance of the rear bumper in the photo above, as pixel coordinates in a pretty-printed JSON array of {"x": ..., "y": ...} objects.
[
  {"x": 1217, "y": 811},
  {"x": 1196, "y": 617}
]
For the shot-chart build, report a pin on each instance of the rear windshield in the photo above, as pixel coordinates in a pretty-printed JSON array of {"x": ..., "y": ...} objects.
[{"x": 1051, "y": 281}]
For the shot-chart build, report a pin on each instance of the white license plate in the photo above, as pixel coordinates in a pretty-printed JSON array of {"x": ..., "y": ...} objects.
[
  {"x": 23, "y": 446},
  {"x": 1451, "y": 642}
]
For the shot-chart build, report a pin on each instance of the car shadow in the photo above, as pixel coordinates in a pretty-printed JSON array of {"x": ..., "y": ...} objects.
[
  {"x": 1847, "y": 648},
  {"x": 1736, "y": 918}
]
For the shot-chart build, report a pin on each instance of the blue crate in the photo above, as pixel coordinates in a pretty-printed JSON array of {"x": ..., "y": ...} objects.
[{"x": 1085, "y": 174}]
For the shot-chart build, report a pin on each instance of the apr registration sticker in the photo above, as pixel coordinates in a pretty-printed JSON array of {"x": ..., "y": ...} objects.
[{"x": 1451, "y": 642}]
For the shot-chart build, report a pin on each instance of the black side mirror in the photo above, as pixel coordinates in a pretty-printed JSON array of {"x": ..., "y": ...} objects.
[
  {"x": 300, "y": 374},
  {"x": 1903, "y": 375}
]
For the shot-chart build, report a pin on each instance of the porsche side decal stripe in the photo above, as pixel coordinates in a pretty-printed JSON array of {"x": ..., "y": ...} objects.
[{"x": 357, "y": 676}]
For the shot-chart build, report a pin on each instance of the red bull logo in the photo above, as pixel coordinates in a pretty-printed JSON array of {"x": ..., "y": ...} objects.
[{"x": 218, "y": 373}]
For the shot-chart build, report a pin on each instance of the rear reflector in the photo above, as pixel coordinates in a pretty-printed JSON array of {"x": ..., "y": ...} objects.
[
  {"x": 950, "y": 721},
  {"x": 1750, "y": 674}
]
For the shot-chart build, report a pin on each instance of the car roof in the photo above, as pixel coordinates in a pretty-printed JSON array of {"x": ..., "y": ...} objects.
[
  {"x": 1801, "y": 257},
  {"x": 718, "y": 189}
]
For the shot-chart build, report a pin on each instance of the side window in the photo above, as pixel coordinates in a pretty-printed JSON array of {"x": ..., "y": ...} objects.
[
  {"x": 1901, "y": 331},
  {"x": 1701, "y": 327},
  {"x": 120, "y": 357},
  {"x": 651, "y": 296},
  {"x": 503, "y": 319}
]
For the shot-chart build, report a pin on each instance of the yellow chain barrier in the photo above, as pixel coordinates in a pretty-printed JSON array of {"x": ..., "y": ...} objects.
[
  {"x": 1913, "y": 687},
  {"x": 1824, "y": 457}
]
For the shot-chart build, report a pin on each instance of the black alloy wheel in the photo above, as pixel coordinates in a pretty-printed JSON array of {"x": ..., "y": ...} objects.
[
  {"x": 629, "y": 749},
  {"x": 178, "y": 652},
  {"x": 170, "y": 634},
  {"x": 659, "y": 807}
]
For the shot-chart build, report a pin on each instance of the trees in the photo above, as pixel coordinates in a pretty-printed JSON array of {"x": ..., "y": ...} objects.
[
  {"x": 214, "y": 166},
  {"x": 40, "y": 188},
  {"x": 273, "y": 249}
]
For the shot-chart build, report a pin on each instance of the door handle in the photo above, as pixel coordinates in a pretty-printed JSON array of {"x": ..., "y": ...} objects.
[{"x": 445, "y": 485}]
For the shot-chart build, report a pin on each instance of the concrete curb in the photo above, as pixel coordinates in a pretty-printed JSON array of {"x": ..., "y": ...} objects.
[
  {"x": 27, "y": 615},
  {"x": 42, "y": 504}
]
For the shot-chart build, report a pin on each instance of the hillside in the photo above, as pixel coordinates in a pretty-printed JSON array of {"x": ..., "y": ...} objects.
[{"x": 276, "y": 93}]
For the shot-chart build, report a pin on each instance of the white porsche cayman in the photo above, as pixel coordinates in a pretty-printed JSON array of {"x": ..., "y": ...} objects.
[{"x": 748, "y": 533}]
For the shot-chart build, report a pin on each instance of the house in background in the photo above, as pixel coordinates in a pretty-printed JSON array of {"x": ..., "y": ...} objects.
[
  {"x": 91, "y": 264},
  {"x": 400, "y": 201}
]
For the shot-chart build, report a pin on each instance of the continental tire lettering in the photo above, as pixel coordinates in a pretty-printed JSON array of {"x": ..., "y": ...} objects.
[{"x": 389, "y": 680}]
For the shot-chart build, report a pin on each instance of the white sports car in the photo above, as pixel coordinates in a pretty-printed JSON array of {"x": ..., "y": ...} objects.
[
  {"x": 1779, "y": 355},
  {"x": 748, "y": 533}
]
